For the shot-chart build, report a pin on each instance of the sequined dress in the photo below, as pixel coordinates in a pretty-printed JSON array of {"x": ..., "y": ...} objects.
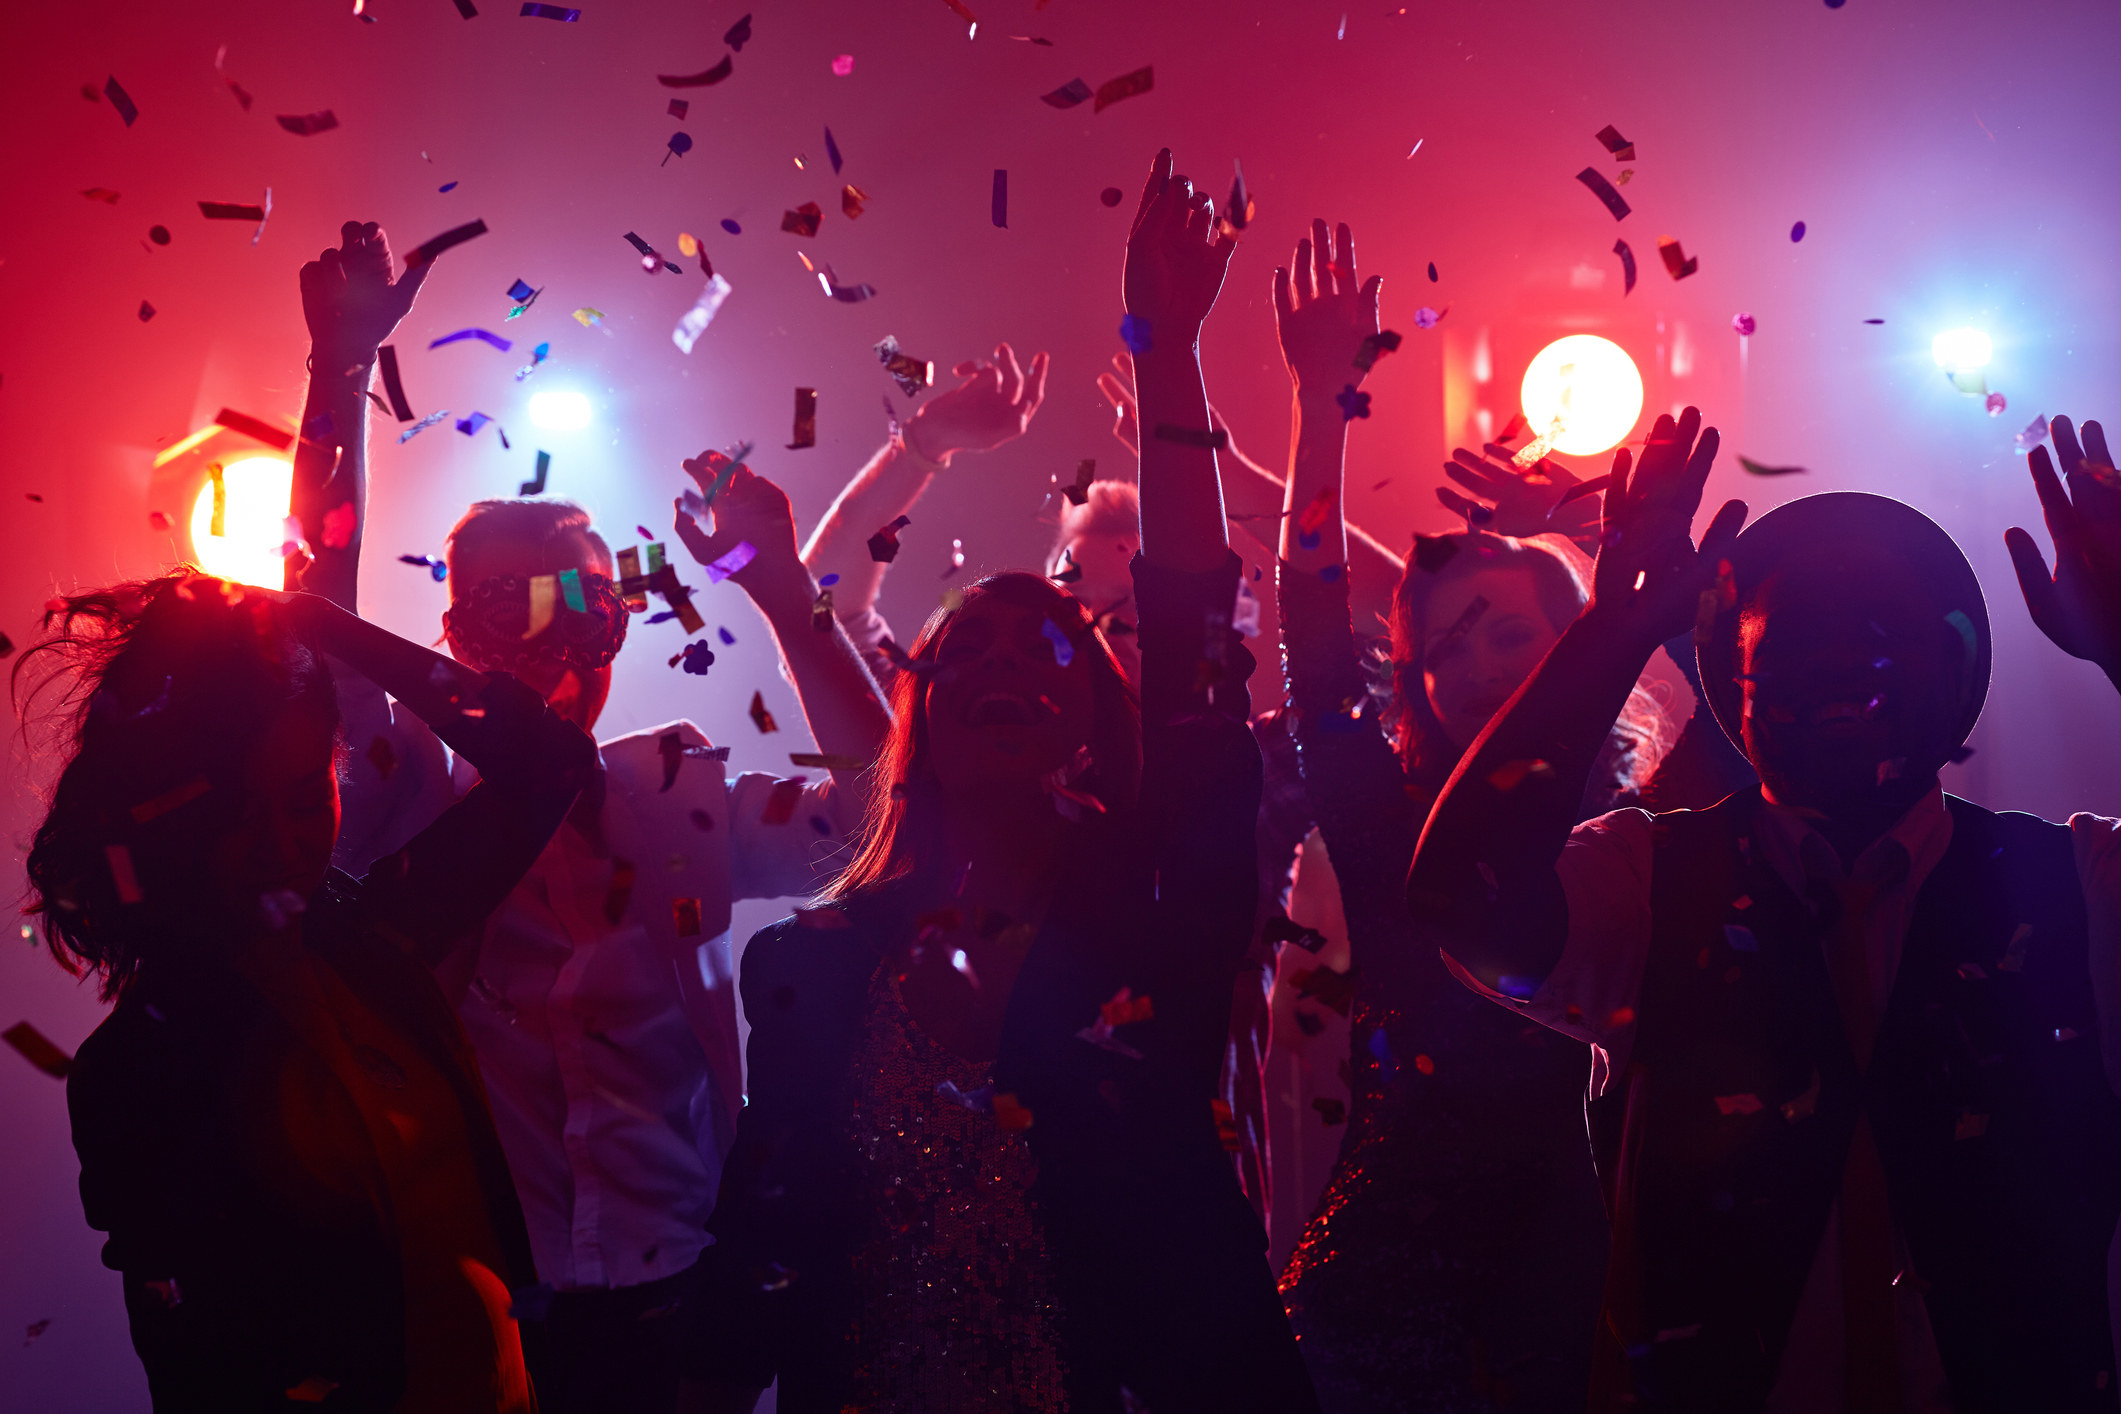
[{"x": 956, "y": 1309}]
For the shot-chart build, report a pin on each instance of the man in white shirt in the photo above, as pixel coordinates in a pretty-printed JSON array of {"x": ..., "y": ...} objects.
[{"x": 1855, "y": 1102}]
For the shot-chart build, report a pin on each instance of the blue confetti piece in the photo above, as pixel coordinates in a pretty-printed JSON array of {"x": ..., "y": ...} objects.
[
  {"x": 1797, "y": 233},
  {"x": 663, "y": 618},
  {"x": 1330, "y": 574},
  {"x": 821, "y": 824},
  {"x": 1740, "y": 938},
  {"x": 698, "y": 658},
  {"x": 421, "y": 426},
  {"x": 447, "y": 186},
  {"x": 832, "y": 151},
  {"x": 1353, "y": 404},
  {"x": 1520, "y": 988},
  {"x": 485, "y": 335},
  {"x": 470, "y": 425},
  {"x": 828, "y": 581},
  {"x": 1063, "y": 650},
  {"x": 120, "y": 100},
  {"x": 551, "y": 12},
  {"x": 521, "y": 289},
  {"x": 1134, "y": 333},
  {"x": 732, "y": 227},
  {"x": 727, "y": 636}
]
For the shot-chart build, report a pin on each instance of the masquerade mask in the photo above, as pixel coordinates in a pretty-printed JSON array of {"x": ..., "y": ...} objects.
[{"x": 491, "y": 625}]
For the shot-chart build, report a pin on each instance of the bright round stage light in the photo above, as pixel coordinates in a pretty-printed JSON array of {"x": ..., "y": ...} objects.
[
  {"x": 1961, "y": 350},
  {"x": 1591, "y": 385},
  {"x": 256, "y": 493},
  {"x": 560, "y": 410}
]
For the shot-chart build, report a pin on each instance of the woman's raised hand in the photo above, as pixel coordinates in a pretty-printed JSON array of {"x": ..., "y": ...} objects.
[
  {"x": 1176, "y": 260},
  {"x": 349, "y": 300},
  {"x": 2079, "y": 607},
  {"x": 994, "y": 404},
  {"x": 1650, "y": 575},
  {"x": 1324, "y": 313},
  {"x": 1534, "y": 500}
]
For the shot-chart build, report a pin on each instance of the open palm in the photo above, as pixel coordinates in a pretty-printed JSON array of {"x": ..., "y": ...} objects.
[{"x": 1323, "y": 312}]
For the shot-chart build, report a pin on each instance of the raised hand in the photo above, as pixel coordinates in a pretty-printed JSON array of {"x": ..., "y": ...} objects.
[
  {"x": 1176, "y": 259},
  {"x": 2079, "y": 605},
  {"x": 749, "y": 508},
  {"x": 1519, "y": 501},
  {"x": 1323, "y": 313},
  {"x": 1650, "y": 574},
  {"x": 349, "y": 299},
  {"x": 995, "y": 404}
]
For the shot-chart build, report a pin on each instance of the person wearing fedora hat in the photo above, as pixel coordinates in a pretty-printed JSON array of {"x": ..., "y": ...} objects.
[{"x": 1854, "y": 1100}]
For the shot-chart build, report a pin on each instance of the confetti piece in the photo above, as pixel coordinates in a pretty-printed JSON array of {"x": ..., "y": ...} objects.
[
  {"x": 121, "y": 101},
  {"x": 447, "y": 187},
  {"x": 805, "y": 430},
  {"x": 620, "y": 892},
  {"x": 739, "y": 34},
  {"x": 1125, "y": 86},
  {"x": 158, "y": 234},
  {"x": 387, "y": 361},
  {"x": 470, "y": 426},
  {"x": 231, "y": 211},
  {"x": 1353, "y": 403},
  {"x": 695, "y": 320},
  {"x": 41, "y": 1053},
  {"x": 467, "y": 9},
  {"x": 536, "y": 485},
  {"x": 1676, "y": 262},
  {"x": 255, "y": 428},
  {"x": 1738, "y": 1104},
  {"x": 537, "y": 356},
  {"x": 147, "y": 311},
  {"x": 455, "y": 236},
  {"x": 485, "y": 335},
  {"x": 1010, "y": 1116},
  {"x": 678, "y": 108},
  {"x": 702, "y": 79},
  {"x": 1627, "y": 174},
  {"x": 1111, "y": 196},
  {"x": 1620, "y": 147},
  {"x": 544, "y": 598},
  {"x": 1063, "y": 650},
  {"x": 1745, "y": 324},
  {"x": 1627, "y": 268},
  {"x": 1068, "y": 95},
  {"x": 589, "y": 317},
  {"x": 550, "y": 12},
  {"x": 1376, "y": 346},
  {"x": 1427, "y": 318},
  {"x": 435, "y": 566},
  {"x": 912, "y": 375},
  {"x": 679, "y": 145},
  {"x": 843, "y": 65},
  {"x": 1001, "y": 198},
  {"x": 1605, "y": 192},
  {"x": 1874, "y": 321},
  {"x": 1213, "y": 441},
  {"x": 851, "y": 199},
  {"x": 2034, "y": 434},
  {"x": 845, "y": 294},
  {"x": 1996, "y": 404},
  {"x": 803, "y": 221},
  {"x": 732, "y": 562},
  {"x": 884, "y": 546},
  {"x": 421, "y": 426},
  {"x": 310, "y": 124},
  {"x": 1085, "y": 473},
  {"x": 102, "y": 194},
  {"x": 760, "y": 717},
  {"x": 1762, "y": 469},
  {"x": 697, "y": 658},
  {"x": 832, "y": 152},
  {"x": 1135, "y": 333},
  {"x": 121, "y": 873},
  {"x": 1797, "y": 233}
]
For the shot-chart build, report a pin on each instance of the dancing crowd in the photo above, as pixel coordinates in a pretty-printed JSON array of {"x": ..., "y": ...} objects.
[{"x": 1717, "y": 1065}]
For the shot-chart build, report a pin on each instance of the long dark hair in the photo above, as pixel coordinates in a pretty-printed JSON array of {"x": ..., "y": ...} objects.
[
  {"x": 154, "y": 694},
  {"x": 902, "y": 826},
  {"x": 1639, "y": 738}
]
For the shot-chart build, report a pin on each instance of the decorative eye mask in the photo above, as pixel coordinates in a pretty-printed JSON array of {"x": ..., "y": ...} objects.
[{"x": 508, "y": 623}]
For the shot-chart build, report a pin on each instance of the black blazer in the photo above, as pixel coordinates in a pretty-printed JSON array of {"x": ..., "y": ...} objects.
[
  {"x": 182, "y": 1102},
  {"x": 1159, "y": 1260}
]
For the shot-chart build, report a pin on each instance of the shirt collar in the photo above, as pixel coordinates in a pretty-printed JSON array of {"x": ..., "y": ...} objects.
[{"x": 1800, "y": 854}]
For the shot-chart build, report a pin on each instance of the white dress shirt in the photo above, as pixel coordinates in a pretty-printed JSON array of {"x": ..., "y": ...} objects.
[
  {"x": 1592, "y": 993},
  {"x": 609, "y": 1049}
]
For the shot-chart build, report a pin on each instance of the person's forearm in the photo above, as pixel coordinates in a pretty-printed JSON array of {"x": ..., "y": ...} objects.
[
  {"x": 1483, "y": 882},
  {"x": 1181, "y": 493},
  {"x": 1319, "y": 444},
  {"x": 1254, "y": 498},
  {"x": 880, "y": 493},
  {"x": 841, "y": 704},
  {"x": 331, "y": 470}
]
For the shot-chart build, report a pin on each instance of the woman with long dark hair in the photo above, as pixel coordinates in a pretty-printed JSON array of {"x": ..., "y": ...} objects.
[
  {"x": 1454, "y": 1259},
  {"x": 280, "y": 1126},
  {"x": 979, "y": 1169}
]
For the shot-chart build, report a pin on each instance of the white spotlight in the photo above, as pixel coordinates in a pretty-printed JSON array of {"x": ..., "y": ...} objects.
[
  {"x": 1591, "y": 385},
  {"x": 255, "y": 494},
  {"x": 560, "y": 410},
  {"x": 1961, "y": 350}
]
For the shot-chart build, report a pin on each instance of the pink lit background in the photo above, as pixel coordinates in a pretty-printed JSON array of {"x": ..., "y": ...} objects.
[{"x": 1952, "y": 161}]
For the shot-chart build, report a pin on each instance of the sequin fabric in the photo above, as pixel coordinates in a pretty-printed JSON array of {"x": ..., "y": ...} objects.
[{"x": 957, "y": 1312}]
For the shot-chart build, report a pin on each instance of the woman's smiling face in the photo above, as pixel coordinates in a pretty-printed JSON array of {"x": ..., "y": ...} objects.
[
  {"x": 1010, "y": 699},
  {"x": 1483, "y": 633}
]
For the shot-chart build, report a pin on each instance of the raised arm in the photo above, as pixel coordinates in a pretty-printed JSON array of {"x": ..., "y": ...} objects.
[
  {"x": 993, "y": 405},
  {"x": 841, "y": 704},
  {"x": 1323, "y": 314},
  {"x": 2079, "y": 606},
  {"x": 1175, "y": 267},
  {"x": 351, "y": 304},
  {"x": 1483, "y": 885}
]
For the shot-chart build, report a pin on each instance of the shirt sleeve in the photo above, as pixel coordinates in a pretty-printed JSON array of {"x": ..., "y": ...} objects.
[
  {"x": 2097, "y": 843},
  {"x": 868, "y": 629},
  {"x": 795, "y": 857},
  {"x": 1592, "y": 991},
  {"x": 395, "y": 781}
]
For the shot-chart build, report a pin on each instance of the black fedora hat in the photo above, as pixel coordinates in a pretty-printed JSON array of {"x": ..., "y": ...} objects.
[{"x": 1832, "y": 534}]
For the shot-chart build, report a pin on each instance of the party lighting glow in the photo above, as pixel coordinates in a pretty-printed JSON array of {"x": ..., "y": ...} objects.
[
  {"x": 1961, "y": 350},
  {"x": 258, "y": 491},
  {"x": 560, "y": 410},
  {"x": 1591, "y": 385}
]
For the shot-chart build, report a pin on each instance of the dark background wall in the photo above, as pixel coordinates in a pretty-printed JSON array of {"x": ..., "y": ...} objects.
[{"x": 1953, "y": 162}]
